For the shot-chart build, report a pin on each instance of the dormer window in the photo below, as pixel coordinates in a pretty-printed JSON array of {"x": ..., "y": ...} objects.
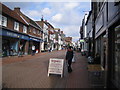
[{"x": 16, "y": 26}]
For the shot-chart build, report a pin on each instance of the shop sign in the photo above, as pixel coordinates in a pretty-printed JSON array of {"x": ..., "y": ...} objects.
[
  {"x": 56, "y": 66},
  {"x": 13, "y": 34},
  {"x": 82, "y": 40},
  {"x": 34, "y": 39}
]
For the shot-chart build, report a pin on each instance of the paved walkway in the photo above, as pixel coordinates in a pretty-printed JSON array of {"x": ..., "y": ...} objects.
[{"x": 31, "y": 72}]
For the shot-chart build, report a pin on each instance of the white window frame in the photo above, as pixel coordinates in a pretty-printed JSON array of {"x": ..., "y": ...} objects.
[
  {"x": 34, "y": 31},
  {"x": 24, "y": 29},
  {"x": 16, "y": 26},
  {"x": 38, "y": 32},
  {"x": 3, "y": 21}
]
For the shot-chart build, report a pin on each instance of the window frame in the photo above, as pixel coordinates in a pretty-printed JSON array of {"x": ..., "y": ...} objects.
[
  {"x": 16, "y": 25},
  {"x": 3, "y": 20},
  {"x": 24, "y": 29}
]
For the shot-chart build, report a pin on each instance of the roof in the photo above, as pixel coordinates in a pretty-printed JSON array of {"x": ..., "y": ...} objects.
[
  {"x": 90, "y": 12},
  {"x": 7, "y": 11},
  {"x": 30, "y": 21},
  {"x": 48, "y": 24}
]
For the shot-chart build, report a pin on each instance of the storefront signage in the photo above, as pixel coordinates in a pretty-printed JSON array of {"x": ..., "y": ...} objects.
[
  {"x": 34, "y": 39},
  {"x": 81, "y": 40},
  {"x": 13, "y": 34},
  {"x": 55, "y": 66}
]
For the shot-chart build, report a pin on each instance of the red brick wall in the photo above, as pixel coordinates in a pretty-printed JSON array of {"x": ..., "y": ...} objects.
[
  {"x": 10, "y": 23},
  {"x": 31, "y": 32}
]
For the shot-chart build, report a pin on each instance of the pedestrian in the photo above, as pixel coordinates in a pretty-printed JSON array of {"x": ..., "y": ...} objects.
[
  {"x": 33, "y": 50},
  {"x": 69, "y": 56},
  {"x": 50, "y": 50},
  {"x": 20, "y": 51}
]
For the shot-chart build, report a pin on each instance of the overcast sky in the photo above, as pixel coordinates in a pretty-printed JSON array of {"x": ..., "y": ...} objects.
[{"x": 64, "y": 15}]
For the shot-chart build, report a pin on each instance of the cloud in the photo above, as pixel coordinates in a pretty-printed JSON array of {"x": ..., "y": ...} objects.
[
  {"x": 57, "y": 18},
  {"x": 70, "y": 5},
  {"x": 46, "y": 11},
  {"x": 33, "y": 14},
  {"x": 74, "y": 39},
  {"x": 72, "y": 30}
]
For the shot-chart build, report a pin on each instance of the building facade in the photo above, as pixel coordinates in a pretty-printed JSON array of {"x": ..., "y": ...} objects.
[
  {"x": 35, "y": 32},
  {"x": 44, "y": 45},
  {"x": 89, "y": 30},
  {"x": 84, "y": 38},
  {"x": 13, "y": 32},
  {"x": 17, "y": 31},
  {"x": 107, "y": 40},
  {"x": 68, "y": 41}
]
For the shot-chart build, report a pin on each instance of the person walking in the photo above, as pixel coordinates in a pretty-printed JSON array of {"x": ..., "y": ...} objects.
[
  {"x": 33, "y": 50},
  {"x": 20, "y": 51},
  {"x": 69, "y": 56}
]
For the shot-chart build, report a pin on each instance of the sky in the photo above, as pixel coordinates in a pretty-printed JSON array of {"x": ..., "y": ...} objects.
[{"x": 64, "y": 15}]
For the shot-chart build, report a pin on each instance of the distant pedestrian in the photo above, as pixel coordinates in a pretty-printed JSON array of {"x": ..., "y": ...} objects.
[
  {"x": 50, "y": 50},
  {"x": 20, "y": 51},
  {"x": 69, "y": 56},
  {"x": 33, "y": 50}
]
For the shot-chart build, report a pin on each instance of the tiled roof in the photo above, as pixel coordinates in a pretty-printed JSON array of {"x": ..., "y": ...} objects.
[
  {"x": 29, "y": 20},
  {"x": 48, "y": 24},
  {"x": 11, "y": 13}
]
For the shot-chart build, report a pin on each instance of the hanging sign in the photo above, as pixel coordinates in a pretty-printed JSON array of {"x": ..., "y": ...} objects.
[{"x": 56, "y": 66}]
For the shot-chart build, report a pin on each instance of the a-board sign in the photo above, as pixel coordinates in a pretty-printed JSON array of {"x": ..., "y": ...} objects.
[{"x": 56, "y": 66}]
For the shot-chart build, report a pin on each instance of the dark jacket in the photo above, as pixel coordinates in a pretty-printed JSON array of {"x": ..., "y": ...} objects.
[{"x": 69, "y": 55}]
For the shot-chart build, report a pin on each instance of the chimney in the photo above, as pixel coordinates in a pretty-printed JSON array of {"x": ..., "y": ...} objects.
[
  {"x": 17, "y": 10},
  {"x": 62, "y": 32},
  {"x": 42, "y": 18}
]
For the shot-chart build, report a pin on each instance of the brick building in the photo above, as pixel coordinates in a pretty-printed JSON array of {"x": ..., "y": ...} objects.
[
  {"x": 18, "y": 30},
  {"x": 13, "y": 32},
  {"x": 68, "y": 41},
  {"x": 34, "y": 31}
]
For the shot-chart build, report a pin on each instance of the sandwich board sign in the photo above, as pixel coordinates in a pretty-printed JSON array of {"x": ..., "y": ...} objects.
[{"x": 56, "y": 66}]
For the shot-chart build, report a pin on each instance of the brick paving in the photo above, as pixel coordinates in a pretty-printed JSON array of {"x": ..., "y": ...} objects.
[{"x": 31, "y": 72}]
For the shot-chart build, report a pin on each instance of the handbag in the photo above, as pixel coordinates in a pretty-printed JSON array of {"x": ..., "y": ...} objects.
[{"x": 73, "y": 59}]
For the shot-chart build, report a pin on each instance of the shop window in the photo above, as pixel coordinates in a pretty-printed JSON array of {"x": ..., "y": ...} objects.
[
  {"x": 16, "y": 26},
  {"x": 3, "y": 21},
  {"x": 24, "y": 29},
  {"x": 117, "y": 56}
]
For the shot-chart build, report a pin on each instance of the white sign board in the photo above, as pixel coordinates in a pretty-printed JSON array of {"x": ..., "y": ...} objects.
[{"x": 55, "y": 66}]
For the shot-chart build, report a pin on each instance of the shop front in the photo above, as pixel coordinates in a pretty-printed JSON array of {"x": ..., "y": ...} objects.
[
  {"x": 11, "y": 41},
  {"x": 33, "y": 41},
  {"x": 114, "y": 56}
]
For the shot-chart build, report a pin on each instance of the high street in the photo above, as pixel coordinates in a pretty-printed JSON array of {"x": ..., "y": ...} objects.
[{"x": 32, "y": 72}]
